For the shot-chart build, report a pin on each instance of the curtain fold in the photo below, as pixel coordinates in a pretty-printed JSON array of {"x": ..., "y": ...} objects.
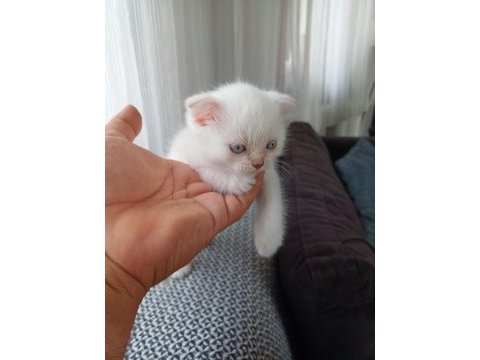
[{"x": 319, "y": 51}]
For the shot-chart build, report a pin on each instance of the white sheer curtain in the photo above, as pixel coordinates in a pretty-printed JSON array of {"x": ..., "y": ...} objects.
[{"x": 321, "y": 52}]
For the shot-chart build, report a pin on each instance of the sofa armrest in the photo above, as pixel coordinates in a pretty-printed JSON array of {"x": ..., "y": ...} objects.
[{"x": 326, "y": 266}]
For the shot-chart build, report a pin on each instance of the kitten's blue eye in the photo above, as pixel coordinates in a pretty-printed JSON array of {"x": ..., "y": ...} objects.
[
  {"x": 237, "y": 148},
  {"x": 271, "y": 144}
]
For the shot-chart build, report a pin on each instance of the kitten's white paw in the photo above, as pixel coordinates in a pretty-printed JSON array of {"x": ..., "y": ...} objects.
[
  {"x": 240, "y": 185},
  {"x": 227, "y": 183},
  {"x": 268, "y": 242},
  {"x": 182, "y": 272},
  {"x": 266, "y": 248}
]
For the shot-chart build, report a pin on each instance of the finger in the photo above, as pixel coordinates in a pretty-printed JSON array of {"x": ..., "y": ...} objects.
[
  {"x": 237, "y": 205},
  {"x": 222, "y": 210},
  {"x": 126, "y": 124},
  {"x": 192, "y": 190},
  {"x": 250, "y": 196}
]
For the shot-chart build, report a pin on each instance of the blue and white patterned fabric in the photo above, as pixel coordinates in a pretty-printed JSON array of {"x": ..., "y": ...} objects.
[{"x": 226, "y": 308}]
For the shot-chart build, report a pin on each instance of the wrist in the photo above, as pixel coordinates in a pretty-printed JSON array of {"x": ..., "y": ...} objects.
[{"x": 123, "y": 295}]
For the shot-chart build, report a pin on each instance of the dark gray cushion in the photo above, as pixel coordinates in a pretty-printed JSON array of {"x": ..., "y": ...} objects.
[{"x": 326, "y": 266}]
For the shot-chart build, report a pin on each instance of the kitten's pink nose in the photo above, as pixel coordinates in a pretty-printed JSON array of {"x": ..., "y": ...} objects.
[{"x": 257, "y": 165}]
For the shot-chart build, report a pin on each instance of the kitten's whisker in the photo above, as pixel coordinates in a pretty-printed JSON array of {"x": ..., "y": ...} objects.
[{"x": 284, "y": 169}]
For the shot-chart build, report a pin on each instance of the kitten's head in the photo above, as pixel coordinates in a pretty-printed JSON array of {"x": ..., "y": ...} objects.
[{"x": 243, "y": 127}]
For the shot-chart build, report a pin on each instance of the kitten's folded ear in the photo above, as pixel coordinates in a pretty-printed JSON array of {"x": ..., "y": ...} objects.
[
  {"x": 203, "y": 109},
  {"x": 286, "y": 102}
]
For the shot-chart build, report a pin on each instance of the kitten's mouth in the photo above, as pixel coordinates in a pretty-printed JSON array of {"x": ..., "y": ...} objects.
[{"x": 255, "y": 172}]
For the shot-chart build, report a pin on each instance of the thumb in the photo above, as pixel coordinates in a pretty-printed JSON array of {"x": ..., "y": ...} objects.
[{"x": 126, "y": 124}]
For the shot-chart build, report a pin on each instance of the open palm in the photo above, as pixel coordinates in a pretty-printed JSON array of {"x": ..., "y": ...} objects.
[{"x": 158, "y": 213}]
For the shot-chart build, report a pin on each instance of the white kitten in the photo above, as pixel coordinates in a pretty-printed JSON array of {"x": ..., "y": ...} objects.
[{"x": 233, "y": 133}]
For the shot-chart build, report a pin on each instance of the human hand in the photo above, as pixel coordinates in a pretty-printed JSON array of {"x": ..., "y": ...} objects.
[{"x": 158, "y": 213}]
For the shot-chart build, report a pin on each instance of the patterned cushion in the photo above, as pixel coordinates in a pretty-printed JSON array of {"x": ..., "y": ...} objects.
[{"x": 225, "y": 309}]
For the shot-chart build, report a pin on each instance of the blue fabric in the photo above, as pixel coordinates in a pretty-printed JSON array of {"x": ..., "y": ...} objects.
[{"x": 357, "y": 171}]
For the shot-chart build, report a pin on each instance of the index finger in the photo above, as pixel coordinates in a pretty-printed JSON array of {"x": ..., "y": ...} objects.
[
  {"x": 223, "y": 210},
  {"x": 237, "y": 205}
]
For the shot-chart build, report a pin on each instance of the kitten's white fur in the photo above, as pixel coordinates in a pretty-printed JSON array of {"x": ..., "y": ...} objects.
[{"x": 238, "y": 113}]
